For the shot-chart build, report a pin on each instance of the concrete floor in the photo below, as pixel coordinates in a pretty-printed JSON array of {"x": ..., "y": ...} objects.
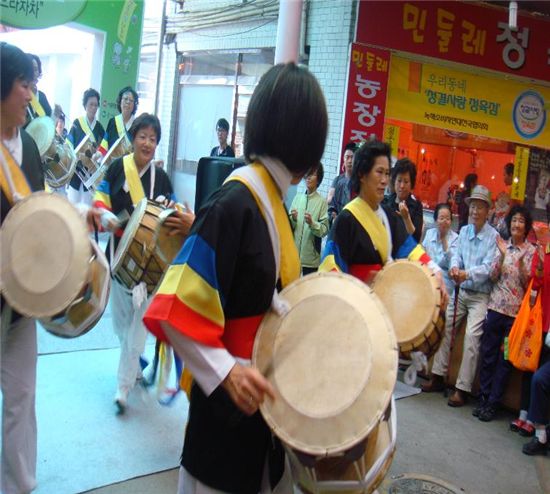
[{"x": 436, "y": 440}]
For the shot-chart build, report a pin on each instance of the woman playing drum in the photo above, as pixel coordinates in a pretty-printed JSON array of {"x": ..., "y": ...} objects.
[
  {"x": 127, "y": 181},
  {"x": 217, "y": 290},
  {"x": 366, "y": 235},
  {"x": 119, "y": 125},
  {"x": 87, "y": 125}
]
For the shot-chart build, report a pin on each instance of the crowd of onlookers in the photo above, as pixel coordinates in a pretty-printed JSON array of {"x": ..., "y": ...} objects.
[{"x": 487, "y": 267}]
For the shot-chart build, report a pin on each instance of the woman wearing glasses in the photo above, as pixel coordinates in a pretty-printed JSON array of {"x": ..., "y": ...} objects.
[{"x": 118, "y": 126}]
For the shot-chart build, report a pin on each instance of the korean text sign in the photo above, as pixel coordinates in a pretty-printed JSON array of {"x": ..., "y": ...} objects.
[
  {"x": 459, "y": 32},
  {"x": 449, "y": 99},
  {"x": 366, "y": 93}
]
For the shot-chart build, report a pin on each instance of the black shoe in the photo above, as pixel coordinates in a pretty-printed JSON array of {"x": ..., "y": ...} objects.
[
  {"x": 535, "y": 447},
  {"x": 488, "y": 413},
  {"x": 481, "y": 404}
]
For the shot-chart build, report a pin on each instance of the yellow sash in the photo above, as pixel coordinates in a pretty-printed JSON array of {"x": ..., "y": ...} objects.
[
  {"x": 132, "y": 179},
  {"x": 36, "y": 106},
  {"x": 19, "y": 180},
  {"x": 86, "y": 128},
  {"x": 364, "y": 214},
  {"x": 289, "y": 258},
  {"x": 120, "y": 127}
]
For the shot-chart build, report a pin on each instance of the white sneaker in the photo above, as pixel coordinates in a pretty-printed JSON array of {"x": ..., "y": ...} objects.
[{"x": 121, "y": 400}]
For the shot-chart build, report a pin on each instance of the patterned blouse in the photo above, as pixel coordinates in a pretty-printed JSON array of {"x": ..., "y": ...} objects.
[{"x": 510, "y": 274}]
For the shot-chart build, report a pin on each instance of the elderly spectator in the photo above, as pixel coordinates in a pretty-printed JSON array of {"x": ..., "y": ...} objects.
[
  {"x": 510, "y": 273},
  {"x": 470, "y": 268},
  {"x": 440, "y": 242}
]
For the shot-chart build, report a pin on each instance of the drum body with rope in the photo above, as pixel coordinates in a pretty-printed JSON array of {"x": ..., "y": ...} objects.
[
  {"x": 333, "y": 372},
  {"x": 58, "y": 156},
  {"x": 50, "y": 269},
  {"x": 412, "y": 297},
  {"x": 91, "y": 172},
  {"x": 145, "y": 250},
  {"x": 84, "y": 311},
  {"x": 121, "y": 147}
]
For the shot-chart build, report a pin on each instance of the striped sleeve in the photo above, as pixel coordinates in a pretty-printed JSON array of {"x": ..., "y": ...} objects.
[
  {"x": 189, "y": 298},
  {"x": 102, "y": 196}
]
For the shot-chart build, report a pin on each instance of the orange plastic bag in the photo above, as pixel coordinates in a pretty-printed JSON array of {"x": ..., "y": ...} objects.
[{"x": 525, "y": 339}]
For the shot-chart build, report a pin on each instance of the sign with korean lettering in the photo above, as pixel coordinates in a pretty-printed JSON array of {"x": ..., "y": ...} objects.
[
  {"x": 448, "y": 99},
  {"x": 366, "y": 94},
  {"x": 391, "y": 136},
  {"x": 521, "y": 161},
  {"x": 462, "y": 32},
  {"x": 39, "y": 13}
]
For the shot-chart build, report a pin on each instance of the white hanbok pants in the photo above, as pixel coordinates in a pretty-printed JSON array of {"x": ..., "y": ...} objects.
[{"x": 18, "y": 379}]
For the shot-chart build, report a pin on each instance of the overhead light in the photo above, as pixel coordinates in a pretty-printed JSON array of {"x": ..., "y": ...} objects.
[{"x": 513, "y": 15}]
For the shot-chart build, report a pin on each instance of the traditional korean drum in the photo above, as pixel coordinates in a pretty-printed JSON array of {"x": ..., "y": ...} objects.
[
  {"x": 84, "y": 312},
  {"x": 91, "y": 172},
  {"x": 50, "y": 269},
  {"x": 120, "y": 147},
  {"x": 58, "y": 156},
  {"x": 332, "y": 361},
  {"x": 145, "y": 250},
  {"x": 411, "y": 294}
]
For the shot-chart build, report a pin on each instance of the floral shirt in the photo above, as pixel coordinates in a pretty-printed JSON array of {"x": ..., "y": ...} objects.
[{"x": 510, "y": 274}]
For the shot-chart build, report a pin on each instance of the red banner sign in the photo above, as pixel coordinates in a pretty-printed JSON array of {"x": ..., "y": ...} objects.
[
  {"x": 460, "y": 32},
  {"x": 366, "y": 95}
]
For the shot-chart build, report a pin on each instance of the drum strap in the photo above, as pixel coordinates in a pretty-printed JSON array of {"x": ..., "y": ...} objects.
[
  {"x": 133, "y": 179},
  {"x": 368, "y": 219},
  {"x": 36, "y": 106},
  {"x": 12, "y": 179},
  {"x": 86, "y": 128}
]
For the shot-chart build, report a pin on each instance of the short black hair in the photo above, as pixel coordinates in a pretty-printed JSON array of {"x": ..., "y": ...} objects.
[
  {"x": 401, "y": 167},
  {"x": 15, "y": 65},
  {"x": 143, "y": 121},
  {"x": 509, "y": 168},
  {"x": 58, "y": 112},
  {"x": 223, "y": 124},
  {"x": 89, "y": 93},
  {"x": 36, "y": 58},
  {"x": 518, "y": 209},
  {"x": 127, "y": 89},
  {"x": 287, "y": 118},
  {"x": 319, "y": 171},
  {"x": 363, "y": 160},
  {"x": 350, "y": 146},
  {"x": 440, "y": 206}
]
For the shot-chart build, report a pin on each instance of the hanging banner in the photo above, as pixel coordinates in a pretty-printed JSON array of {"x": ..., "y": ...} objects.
[
  {"x": 464, "y": 32},
  {"x": 536, "y": 167},
  {"x": 391, "y": 136},
  {"x": 459, "y": 101},
  {"x": 366, "y": 94},
  {"x": 521, "y": 161}
]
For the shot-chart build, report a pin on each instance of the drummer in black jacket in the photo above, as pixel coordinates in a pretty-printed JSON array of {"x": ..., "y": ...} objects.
[{"x": 403, "y": 179}]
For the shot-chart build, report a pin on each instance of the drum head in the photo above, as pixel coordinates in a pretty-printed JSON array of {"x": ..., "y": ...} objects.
[
  {"x": 332, "y": 360},
  {"x": 411, "y": 296},
  {"x": 42, "y": 130},
  {"x": 128, "y": 235},
  {"x": 117, "y": 150},
  {"x": 45, "y": 254}
]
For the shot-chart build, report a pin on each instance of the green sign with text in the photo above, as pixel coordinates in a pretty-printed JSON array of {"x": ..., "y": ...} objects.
[{"x": 38, "y": 14}]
